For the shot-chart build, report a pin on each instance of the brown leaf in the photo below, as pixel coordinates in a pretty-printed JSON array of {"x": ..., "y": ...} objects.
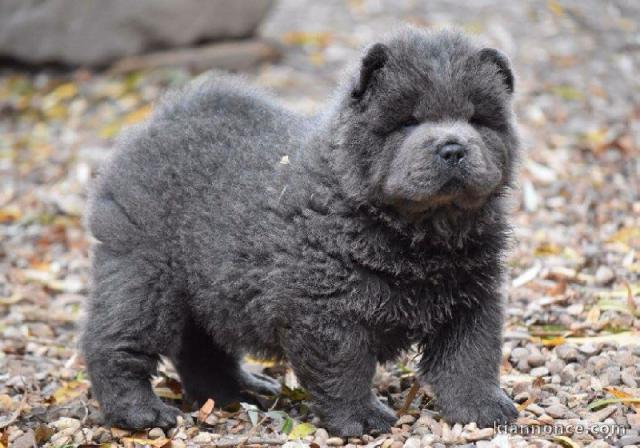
[
  {"x": 69, "y": 390},
  {"x": 621, "y": 394},
  {"x": 205, "y": 410},
  {"x": 593, "y": 315},
  {"x": 411, "y": 395},
  {"x": 522, "y": 406},
  {"x": 302, "y": 38},
  {"x": 566, "y": 442},
  {"x": 137, "y": 115},
  {"x": 630, "y": 303},
  {"x": 9, "y": 214},
  {"x": 119, "y": 433},
  {"x": 42, "y": 434}
]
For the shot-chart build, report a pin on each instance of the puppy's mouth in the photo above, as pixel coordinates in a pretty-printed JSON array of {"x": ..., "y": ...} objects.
[{"x": 456, "y": 190}]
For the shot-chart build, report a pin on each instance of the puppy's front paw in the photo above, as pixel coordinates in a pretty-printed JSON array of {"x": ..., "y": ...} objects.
[
  {"x": 150, "y": 414},
  {"x": 358, "y": 419},
  {"x": 486, "y": 407}
]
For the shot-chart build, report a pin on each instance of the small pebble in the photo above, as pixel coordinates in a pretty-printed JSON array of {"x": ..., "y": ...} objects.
[
  {"x": 412, "y": 442},
  {"x": 555, "y": 366},
  {"x": 406, "y": 419},
  {"x": 156, "y": 433},
  {"x": 556, "y": 411},
  {"x": 521, "y": 397},
  {"x": 613, "y": 375},
  {"x": 481, "y": 434},
  {"x": 628, "y": 379},
  {"x": 598, "y": 444},
  {"x": 292, "y": 444},
  {"x": 334, "y": 441},
  {"x": 540, "y": 371},
  {"x": 83, "y": 437},
  {"x": 566, "y": 352},
  {"x": 102, "y": 435},
  {"x": 633, "y": 420},
  {"x": 545, "y": 419},
  {"x": 632, "y": 439},
  {"x": 568, "y": 375},
  {"x": 626, "y": 358},
  {"x": 521, "y": 386},
  {"x": 26, "y": 440},
  {"x": 203, "y": 437},
  {"x": 321, "y": 436},
  {"x": 588, "y": 349},
  {"x": 421, "y": 430},
  {"x": 602, "y": 414},
  {"x": 66, "y": 423},
  {"x": 598, "y": 364},
  {"x": 425, "y": 420},
  {"x": 60, "y": 439},
  {"x": 604, "y": 275},
  {"x": 536, "y": 409},
  {"x": 523, "y": 366},
  {"x": 536, "y": 359},
  {"x": 519, "y": 353},
  {"x": 427, "y": 440}
]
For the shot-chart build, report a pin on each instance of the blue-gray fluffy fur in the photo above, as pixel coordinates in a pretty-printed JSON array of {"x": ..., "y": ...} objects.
[{"x": 227, "y": 224}]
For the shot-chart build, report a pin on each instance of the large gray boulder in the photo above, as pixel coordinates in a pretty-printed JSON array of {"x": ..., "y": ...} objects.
[{"x": 97, "y": 32}]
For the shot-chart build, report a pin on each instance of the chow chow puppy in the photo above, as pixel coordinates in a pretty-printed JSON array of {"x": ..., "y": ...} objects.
[{"x": 227, "y": 225}]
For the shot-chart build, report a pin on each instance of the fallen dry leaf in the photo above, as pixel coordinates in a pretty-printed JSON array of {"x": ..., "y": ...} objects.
[
  {"x": 69, "y": 390},
  {"x": 566, "y": 442},
  {"x": 205, "y": 410},
  {"x": 624, "y": 338},
  {"x": 621, "y": 394}
]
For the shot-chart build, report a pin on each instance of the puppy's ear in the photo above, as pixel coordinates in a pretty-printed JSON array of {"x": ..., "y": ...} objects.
[
  {"x": 376, "y": 57},
  {"x": 493, "y": 56}
]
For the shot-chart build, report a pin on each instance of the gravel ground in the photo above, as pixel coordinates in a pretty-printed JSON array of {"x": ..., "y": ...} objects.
[{"x": 572, "y": 337}]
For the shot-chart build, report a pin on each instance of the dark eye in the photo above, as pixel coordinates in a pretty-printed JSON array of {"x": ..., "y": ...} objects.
[
  {"x": 478, "y": 120},
  {"x": 485, "y": 122},
  {"x": 410, "y": 122},
  {"x": 494, "y": 123}
]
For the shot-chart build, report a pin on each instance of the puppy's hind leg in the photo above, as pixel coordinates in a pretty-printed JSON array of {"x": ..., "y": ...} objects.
[
  {"x": 127, "y": 328},
  {"x": 208, "y": 371}
]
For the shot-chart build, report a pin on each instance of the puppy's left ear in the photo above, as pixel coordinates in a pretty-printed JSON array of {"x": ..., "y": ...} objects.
[
  {"x": 376, "y": 57},
  {"x": 493, "y": 56}
]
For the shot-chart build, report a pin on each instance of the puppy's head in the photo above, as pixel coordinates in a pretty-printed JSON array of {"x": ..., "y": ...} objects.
[{"x": 426, "y": 124}]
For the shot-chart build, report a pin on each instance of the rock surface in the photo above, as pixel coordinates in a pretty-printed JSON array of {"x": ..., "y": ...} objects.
[{"x": 97, "y": 32}]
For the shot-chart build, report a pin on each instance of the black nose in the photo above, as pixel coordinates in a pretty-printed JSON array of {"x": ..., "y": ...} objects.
[{"x": 452, "y": 153}]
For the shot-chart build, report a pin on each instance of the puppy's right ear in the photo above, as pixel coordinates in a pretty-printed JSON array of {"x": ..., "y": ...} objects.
[
  {"x": 376, "y": 57},
  {"x": 498, "y": 58}
]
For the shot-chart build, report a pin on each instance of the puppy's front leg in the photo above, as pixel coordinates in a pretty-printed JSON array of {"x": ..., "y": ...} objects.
[
  {"x": 335, "y": 363},
  {"x": 462, "y": 362}
]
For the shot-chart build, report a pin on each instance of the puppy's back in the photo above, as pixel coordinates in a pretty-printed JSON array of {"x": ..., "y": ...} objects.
[{"x": 204, "y": 135}]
